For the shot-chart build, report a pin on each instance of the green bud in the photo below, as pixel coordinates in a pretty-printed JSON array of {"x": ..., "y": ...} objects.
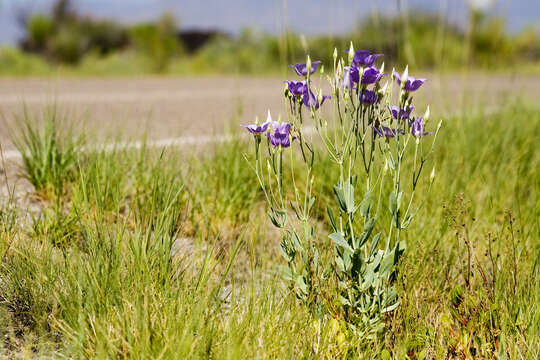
[
  {"x": 426, "y": 115},
  {"x": 351, "y": 53}
]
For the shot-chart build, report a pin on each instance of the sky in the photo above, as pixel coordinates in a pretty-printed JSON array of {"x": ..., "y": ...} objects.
[{"x": 304, "y": 16}]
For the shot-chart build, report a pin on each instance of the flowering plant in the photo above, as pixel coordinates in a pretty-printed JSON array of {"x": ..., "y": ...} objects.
[{"x": 369, "y": 137}]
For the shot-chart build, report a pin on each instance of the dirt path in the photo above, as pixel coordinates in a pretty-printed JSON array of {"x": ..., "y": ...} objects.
[{"x": 170, "y": 107}]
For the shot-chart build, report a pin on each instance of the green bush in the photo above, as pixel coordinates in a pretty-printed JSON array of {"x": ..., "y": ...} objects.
[{"x": 157, "y": 42}]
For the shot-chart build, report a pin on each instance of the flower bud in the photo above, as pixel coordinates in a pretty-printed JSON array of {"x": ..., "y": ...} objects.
[
  {"x": 308, "y": 65},
  {"x": 322, "y": 69},
  {"x": 269, "y": 117},
  {"x": 381, "y": 70},
  {"x": 268, "y": 166},
  {"x": 417, "y": 140},
  {"x": 393, "y": 76},
  {"x": 426, "y": 115},
  {"x": 256, "y": 120},
  {"x": 385, "y": 169},
  {"x": 335, "y": 54},
  {"x": 405, "y": 76},
  {"x": 320, "y": 96},
  {"x": 351, "y": 53},
  {"x": 383, "y": 89},
  {"x": 432, "y": 175}
]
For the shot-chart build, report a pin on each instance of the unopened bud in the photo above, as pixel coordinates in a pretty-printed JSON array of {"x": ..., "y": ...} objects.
[
  {"x": 325, "y": 123},
  {"x": 320, "y": 96},
  {"x": 417, "y": 141},
  {"x": 351, "y": 53},
  {"x": 335, "y": 54},
  {"x": 308, "y": 65},
  {"x": 382, "y": 68},
  {"x": 383, "y": 89},
  {"x": 256, "y": 120},
  {"x": 393, "y": 76},
  {"x": 405, "y": 76},
  {"x": 268, "y": 166},
  {"x": 322, "y": 69},
  {"x": 426, "y": 115},
  {"x": 432, "y": 175},
  {"x": 385, "y": 169}
]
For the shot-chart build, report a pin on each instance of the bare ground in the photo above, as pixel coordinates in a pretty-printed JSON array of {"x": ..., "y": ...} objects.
[{"x": 165, "y": 107}]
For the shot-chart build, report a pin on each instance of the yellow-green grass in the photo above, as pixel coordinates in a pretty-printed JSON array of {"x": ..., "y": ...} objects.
[{"x": 91, "y": 274}]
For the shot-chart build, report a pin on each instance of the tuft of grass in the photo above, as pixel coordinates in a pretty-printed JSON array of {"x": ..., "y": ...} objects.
[{"x": 49, "y": 150}]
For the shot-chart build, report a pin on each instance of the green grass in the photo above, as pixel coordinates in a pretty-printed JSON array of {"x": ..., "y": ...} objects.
[{"x": 92, "y": 276}]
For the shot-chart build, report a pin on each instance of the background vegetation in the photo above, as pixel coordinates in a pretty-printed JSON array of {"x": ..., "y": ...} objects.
[{"x": 71, "y": 43}]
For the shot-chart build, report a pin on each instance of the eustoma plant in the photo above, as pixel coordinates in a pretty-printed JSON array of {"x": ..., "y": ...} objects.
[{"x": 378, "y": 147}]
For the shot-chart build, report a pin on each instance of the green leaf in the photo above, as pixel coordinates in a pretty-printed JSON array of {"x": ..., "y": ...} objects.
[
  {"x": 340, "y": 241},
  {"x": 277, "y": 217},
  {"x": 368, "y": 228},
  {"x": 366, "y": 204},
  {"x": 301, "y": 284},
  {"x": 332, "y": 218},
  {"x": 311, "y": 202},
  {"x": 344, "y": 193},
  {"x": 286, "y": 273},
  {"x": 374, "y": 243}
]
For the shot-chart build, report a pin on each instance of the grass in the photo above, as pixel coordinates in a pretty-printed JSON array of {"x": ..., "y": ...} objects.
[{"x": 166, "y": 254}]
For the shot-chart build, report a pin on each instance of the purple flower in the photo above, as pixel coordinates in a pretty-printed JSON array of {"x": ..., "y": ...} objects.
[
  {"x": 297, "y": 88},
  {"x": 401, "y": 114},
  {"x": 417, "y": 128},
  {"x": 301, "y": 68},
  {"x": 310, "y": 100},
  {"x": 371, "y": 75},
  {"x": 412, "y": 84},
  {"x": 257, "y": 129},
  {"x": 281, "y": 135},
  {"x": 365, "y": 58},
  {"x": 351, "y": 76},
  {"x": 369, "y": 97},
  {"x": 387, "y": 132}
]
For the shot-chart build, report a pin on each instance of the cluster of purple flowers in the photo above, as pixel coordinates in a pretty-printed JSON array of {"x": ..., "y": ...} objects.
[
  {"x": 278, "y": 133},
  {"x": 360, "y": 74},
  {"x": 300, "y": 89}
]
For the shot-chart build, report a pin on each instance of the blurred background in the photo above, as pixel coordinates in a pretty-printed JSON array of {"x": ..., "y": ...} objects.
[{"x": 128, "y": 37}]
